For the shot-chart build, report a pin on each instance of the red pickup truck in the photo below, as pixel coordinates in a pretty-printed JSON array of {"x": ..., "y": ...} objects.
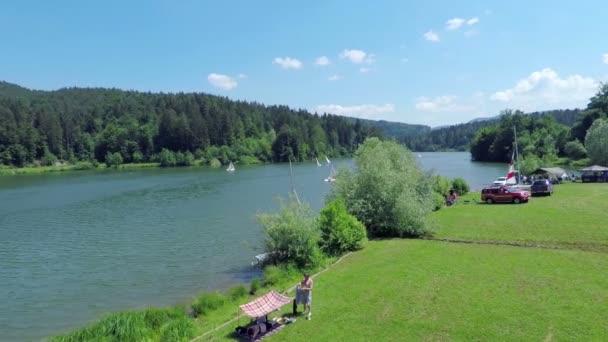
[{"x": 504, "y": 194}]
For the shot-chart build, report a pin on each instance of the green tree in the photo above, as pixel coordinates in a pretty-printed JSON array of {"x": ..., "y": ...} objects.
[
  {"x": 340, "y": 231},
  {"x": 113, "y": 159},
  {"x": 167, "y": 158},
  {"x": 596, "y": 142},
  {"x": 575, "y": 150},
  {"x": 388, "y": 192}
]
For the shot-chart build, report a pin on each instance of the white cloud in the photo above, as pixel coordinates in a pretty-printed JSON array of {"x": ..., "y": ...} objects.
[
  {"x": 242, "y": 76},
  {"x": 605, "y": 58},
  {"x": 454, "y": 24},
  {"x": 365, "y": 111},
  {"x": 357, "y": 56},
  {"x": 364, "y": 70},
  {"x": 431, "y": 36},
  {"x": 472, "y": 21},
  {"x": 288, "y": 63},
  {"x": 446, "y": 103},
  {"x": 545, "y": 89},
  {"x": 222, "y": 81},
  {"x": 322, "y": 61},
  {"x": 334, "y": 78}
]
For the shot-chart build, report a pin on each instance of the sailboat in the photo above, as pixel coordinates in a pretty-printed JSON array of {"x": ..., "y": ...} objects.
[
  {"x": 419, "y": 155},
  {"x": 332, "y": 175},
  {"x": 318, "y": 164},
  {"x": 328, "y": 161},
  {"x": 231, "y": 168}
]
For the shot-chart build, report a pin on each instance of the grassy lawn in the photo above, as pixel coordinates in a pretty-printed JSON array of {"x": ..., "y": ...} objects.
[
  {"x": 433, "y": 290},
  {"x": 575, "y": 216},
  {"x": 428, "y": 290}
]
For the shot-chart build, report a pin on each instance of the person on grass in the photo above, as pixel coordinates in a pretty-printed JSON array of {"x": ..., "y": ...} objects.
[{"x": 306, "y": 288}]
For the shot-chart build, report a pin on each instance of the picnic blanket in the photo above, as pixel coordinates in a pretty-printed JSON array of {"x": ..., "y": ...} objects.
[{"x": 265, "y": 304}]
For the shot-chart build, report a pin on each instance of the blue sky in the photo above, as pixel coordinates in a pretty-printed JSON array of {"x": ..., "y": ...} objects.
[{"x": 434, "y": 63}]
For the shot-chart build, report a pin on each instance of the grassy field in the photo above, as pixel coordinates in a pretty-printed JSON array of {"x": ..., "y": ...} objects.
[
  {"x": 575, "y": 216},
  {"x": 439, "y": 291}
]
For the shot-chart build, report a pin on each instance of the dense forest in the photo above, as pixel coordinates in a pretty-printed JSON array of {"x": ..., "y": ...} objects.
[
  {"x": 459, "y": 137},
  {"x": 116, "y": 126},
  {"x": 541, "y": 138}
]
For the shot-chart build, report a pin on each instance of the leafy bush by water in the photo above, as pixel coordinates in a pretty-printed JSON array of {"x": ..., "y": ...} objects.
[
  {"x": 460, "y": 186},
  {"x": 292, "y": 235}
]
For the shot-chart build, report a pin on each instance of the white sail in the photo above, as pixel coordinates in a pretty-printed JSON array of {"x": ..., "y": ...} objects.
[
  {"x": 318, "y": 164},
  {"x": 328, "y": 161},
  {"x": 332, "y": 175},
  {"x": 230, "y": 167},
  {"x": 419, "y": 155}
]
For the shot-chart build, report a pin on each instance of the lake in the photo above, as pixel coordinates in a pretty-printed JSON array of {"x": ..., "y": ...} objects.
[{"x": 77, "y": 245}]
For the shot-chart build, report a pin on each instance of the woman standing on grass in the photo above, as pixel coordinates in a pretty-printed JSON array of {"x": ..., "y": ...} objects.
[{"x": 306, "y": 288}]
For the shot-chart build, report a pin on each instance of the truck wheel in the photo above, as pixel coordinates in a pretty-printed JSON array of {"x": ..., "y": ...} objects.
[
  {"x": 516, "y": 200},
  {"x": 489, "y": 200}
]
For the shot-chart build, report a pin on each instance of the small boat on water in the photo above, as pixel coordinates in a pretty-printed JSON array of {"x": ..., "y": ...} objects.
[
  {"x": 419, "y": 155},
  {"x": 328, "y": 161},
  {"x": 231, "y": 167},
  {"x": 259, "y": 259},
  {"x": 332, "y": 175},
  {"x": 317, "y": 160}
]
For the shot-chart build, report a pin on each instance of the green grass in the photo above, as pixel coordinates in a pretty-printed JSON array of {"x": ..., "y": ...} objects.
[
  {"x": 575, "y": 216},
  {"x": 426, "y": 290},
  {"x": 80, "y": 166}
]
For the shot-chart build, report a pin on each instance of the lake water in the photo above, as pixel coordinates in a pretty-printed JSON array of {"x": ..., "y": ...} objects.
[{"x": 77, "y": 245}]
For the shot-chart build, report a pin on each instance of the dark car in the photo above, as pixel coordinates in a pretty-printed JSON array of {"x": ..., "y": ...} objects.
[
  {"x": 504, "y": 194},
  {"x": 541, "y": 187}
]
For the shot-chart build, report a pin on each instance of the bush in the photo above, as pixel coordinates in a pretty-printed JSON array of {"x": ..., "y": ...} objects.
[
  {"x": 249, "y": 160},
  {"x": 113, "y": 159},
  {"x": 441, "y": 185},
  {"x": 340, "y": 231},
  {"x": 167, "y": 158},
  {"x": 388, "y": 192},
  {"x": 460, "y": 186},
  {"x": 279, "y": 275},
  {"x": 208, "y": 302},
  {"x": 292, "y": 235},
  {"x": 178, "y": 330},
  {"x": 48, "y": 159},
  {"x": 215, "y": 163},
  {"x": 438, "y": 201},
  {"x": 254, "y": 286},
  {"x": 188, "y": 159},
  {"x": 137, "y": 157},
  {"x": 237, "y": 292}
]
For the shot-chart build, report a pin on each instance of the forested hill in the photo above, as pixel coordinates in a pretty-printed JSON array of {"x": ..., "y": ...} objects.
[
  {"x": 459, "y": 137},
  {"x": 92, "y": 124}
]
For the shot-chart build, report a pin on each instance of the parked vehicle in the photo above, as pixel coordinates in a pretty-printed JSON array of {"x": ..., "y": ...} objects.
[
  {"x": 500, "y": 181},
  {"x": 541, "y": 187},
  {"x": 504, "y": 194}
]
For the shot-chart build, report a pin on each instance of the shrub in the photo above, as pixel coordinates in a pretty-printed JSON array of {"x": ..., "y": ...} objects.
[
  {"x": 272, "y": 275},
  {"x": 167, "y": 158},
  {"x": 388, "y": 192},
  {"x": 438, "y": 201},
  {"x": 340, "y": 231},
  {"x": 460, "y": 186},
  {"x": 188, "y": 159},
  {"x": 237, "y": 292},
  {"x": 113, "y": 159},
  {"x": 441, "y": 185},
  {"x": 249, "y": 160},
  {"x": 254, "y": 286},
  {"x": 178, "y": 330},
  {"x": 291, "y": 235},
  {"x": 48, "y": 159},
  {"x": 575, "y": 150},
  {"x": 215, "y": 163},
  {"x": 137, "y": 157},
  {"x": 208, "y": 302}
]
